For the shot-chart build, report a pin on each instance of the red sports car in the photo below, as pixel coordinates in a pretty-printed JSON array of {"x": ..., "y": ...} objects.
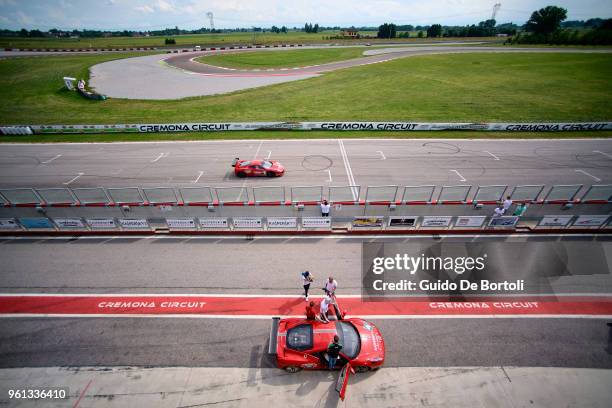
[
  {"x": 253, "y": 168},
  {"x": 302, "y": 344}
]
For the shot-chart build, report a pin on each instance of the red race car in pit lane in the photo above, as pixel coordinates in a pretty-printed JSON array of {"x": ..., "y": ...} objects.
[
  {"x": 254, "y": 168},
  {"x": 302, "y": 344}
]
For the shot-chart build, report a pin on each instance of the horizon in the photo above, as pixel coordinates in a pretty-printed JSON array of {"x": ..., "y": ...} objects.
[{"x": 154, "y": 15}]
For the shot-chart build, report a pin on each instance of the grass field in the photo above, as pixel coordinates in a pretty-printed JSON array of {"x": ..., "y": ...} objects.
[
  {"x": 460, "y": 87},
  {"x": 282, "y": 59},
  {"x": 196, "y": 39}
]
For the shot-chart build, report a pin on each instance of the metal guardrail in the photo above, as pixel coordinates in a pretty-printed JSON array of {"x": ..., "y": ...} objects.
[{"x": 282, "y": 195}]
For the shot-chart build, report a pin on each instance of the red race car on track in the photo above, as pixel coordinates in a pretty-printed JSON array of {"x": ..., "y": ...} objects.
[
  {"x": 254, "y": 168},
  {"x": 302, "y": 344}
]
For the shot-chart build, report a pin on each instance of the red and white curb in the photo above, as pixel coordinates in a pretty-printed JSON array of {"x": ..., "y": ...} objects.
[{"x": 266, "y": 306}]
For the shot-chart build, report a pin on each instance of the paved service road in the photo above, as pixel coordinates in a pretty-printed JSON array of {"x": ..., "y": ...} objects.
[
  {"x": 152, "y": 77},
  {"x": 261, "y": 266},
  {"x": 401, "y": 162}
]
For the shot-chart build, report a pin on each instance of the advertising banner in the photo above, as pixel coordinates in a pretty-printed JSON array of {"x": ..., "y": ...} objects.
[
  {"x": 213, "y": 222},
  {"x": 132, "y": 223},
  {"x": 334, "y": 126},
  {"x": 316, "y": 222},
  {"x": 282, "y": 222},
  {"x": 181, "y": 223},
  {"x": 590, "y": 220},
  {"x": 402, "y": 222},
  {"x": 503, "y": 221},
  {"x": 8, "y": 223},
  {"x": 36, "y": 222},
  {"x": 101, "y": 223},
  {"x": 555, "y": 220},
  {"x": 439, "y": 221},
  {"x": 368, "y": 222},
  {"x": 247, "y": 222},
  {"x": 470, "y": 221},
  {"x": 68, "y": 223}
]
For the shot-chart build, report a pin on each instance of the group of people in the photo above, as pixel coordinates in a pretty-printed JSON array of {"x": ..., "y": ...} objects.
[
  {"x": 330, "y": 289},
  {"x": 334, "y": 348},
  {"x": 504, "y": 208}
]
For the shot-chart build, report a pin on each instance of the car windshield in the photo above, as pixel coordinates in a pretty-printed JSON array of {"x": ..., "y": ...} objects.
[
  {"x": 349, "y": 338},
  {"x": 266, "y": 164},
  {"x": 300, "y": 337},
  {"x": 245, "y": 163}
]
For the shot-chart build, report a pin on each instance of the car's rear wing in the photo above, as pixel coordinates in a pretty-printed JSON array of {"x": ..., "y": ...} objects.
[{"x": 273, "y": 335}]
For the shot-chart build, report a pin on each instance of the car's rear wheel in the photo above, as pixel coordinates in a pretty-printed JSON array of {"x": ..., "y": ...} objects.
[
  {"x": 361, "y": 369},
  {"x": 241, "y": 174},
  {"x": 292, "y": 369}
]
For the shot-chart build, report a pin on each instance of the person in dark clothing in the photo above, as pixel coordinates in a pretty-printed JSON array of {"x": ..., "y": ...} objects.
[
  {"x": 333, "y": 351},
  {"x": 307, "y": 279}
]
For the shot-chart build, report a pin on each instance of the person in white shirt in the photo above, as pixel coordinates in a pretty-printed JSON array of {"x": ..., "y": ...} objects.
[
  {"x": 507, "y": 203},
  {"x": 499, "y": 211},
  {"x": 330, "y": 286},
  {"x": 324, "y": 308},
  {"x": 325, "y": 207}
]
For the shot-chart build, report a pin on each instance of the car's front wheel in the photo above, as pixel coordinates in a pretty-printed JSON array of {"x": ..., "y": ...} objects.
[
  {"x": 271, "y": 174},
  {"x": 241, "y": 174},
  {"x": 361, "y": 369},
  {"x": 292, "y": 369}
]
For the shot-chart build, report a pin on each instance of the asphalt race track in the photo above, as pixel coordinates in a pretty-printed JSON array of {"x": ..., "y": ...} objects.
[
  {"x": 151, "y": 77},
  {"x": 401, "y": 162}
]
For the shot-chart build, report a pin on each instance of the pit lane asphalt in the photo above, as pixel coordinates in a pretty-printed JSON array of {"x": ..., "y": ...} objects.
[
  {"x": 260, "y": 266},
  {"x": 401, "y": 162},
  {"x": 149, "y": 77}
]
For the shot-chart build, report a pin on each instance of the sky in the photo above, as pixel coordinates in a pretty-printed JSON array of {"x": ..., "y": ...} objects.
[{"x": 158, "y": 14}]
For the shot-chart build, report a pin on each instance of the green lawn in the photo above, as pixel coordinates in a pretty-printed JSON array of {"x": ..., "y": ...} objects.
[
  {"x": 294, "y": 37},
  {"x": 282, "y": 59},
  {"x": 459, "y": 87}
]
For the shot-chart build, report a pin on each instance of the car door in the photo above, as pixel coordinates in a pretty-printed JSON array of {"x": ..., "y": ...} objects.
[
  {"x": 258, "y": 170},
  {"x": 343, "y": 378}
]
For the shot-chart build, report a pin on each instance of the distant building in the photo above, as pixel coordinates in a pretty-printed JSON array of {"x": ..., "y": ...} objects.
[{"x": 349, "y": 33}]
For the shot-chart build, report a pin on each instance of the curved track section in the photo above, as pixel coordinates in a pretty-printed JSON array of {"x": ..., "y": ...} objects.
[{"x": 152, "y": 77}]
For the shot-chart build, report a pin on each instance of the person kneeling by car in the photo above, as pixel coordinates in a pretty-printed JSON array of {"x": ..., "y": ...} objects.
[{"x": 333, "y": 351}]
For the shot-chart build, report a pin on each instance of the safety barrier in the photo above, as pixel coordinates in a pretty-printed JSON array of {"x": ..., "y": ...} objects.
[
  {"x": 277, "y": 208},
  {"x": 307, "y": 126}
]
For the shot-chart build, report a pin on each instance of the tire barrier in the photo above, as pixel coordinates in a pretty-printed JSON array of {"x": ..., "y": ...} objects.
[{"x": 318, "y": 126}]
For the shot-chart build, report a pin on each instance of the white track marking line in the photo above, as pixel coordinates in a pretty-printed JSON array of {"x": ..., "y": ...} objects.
[
  {"x": 381, "y": 154},
  {"x": 257, "y": 151},
  {"x": 597, "y": 179},
  {"x": 73, "y": 179},
  {"x": 161, "y": 155},
  {"x": 494, "y": 156},
  {"x": 329, "y": 173},
  {"x": 349, "y": 171},
  {"x": 198, "y": 178},
  {"x": 459, "y": 174},
  {"x": 269, "y": 154},
  {"x": 50, "y": 160},
  {"x": 609, "y": 156}
]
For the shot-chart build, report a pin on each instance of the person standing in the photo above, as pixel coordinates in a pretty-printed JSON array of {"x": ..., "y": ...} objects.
[
  {"x": 520, "y": 210},
  {"x": 325, "y": 207},
  {"x": 330, "y": 286},
  {"x": 333, "y": 352},
  {"x": 507, "y": 204},
  {"x": 307, "y": 279}
]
